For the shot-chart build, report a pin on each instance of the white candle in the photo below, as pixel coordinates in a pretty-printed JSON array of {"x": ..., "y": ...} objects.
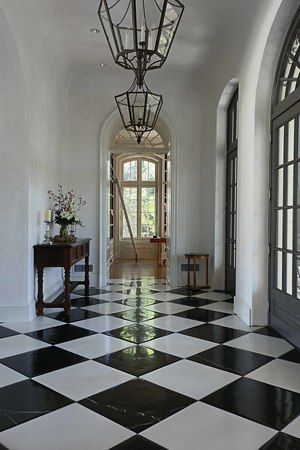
[
  {"x": 143, "y": 32},
  {"x": 150, "y": 40},
  {"x": 48, "y": 215},
  {"x": 126, "y": 40}
]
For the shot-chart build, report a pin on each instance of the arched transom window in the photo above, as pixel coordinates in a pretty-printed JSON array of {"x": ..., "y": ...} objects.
[
  {"x": 287, "y": 79},
  {"x": 139, "y": 183}
]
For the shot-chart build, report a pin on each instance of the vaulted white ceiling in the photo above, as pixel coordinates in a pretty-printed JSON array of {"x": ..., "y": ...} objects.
[{"x": 208, "y": 28}]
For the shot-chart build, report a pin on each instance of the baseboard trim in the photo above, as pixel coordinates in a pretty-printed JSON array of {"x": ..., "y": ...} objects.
[
  {"x": 242, "y": 310},
  {"x": 17, "y": 313}
]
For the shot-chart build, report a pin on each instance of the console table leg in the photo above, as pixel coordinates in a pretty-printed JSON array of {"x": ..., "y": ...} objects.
[
  {"x": 40, "y": 296},
  {"x": 86, "y": 276},
  {"x": 67, "y": 304}
]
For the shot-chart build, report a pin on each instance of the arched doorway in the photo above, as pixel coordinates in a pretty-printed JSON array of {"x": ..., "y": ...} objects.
[
  {"x": 285, "y": 191},
  {"x": 161, "y": 144}
]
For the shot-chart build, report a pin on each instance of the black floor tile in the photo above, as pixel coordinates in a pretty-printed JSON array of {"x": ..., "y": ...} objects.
[
  {"x": 74, "y": 315},
  {"x": 282, "y": 441},
  {"x": 214, "y": 333},
  {"x": 63, "y": 333},
  {"x": 6, "y": 332},
  {"x": 86, "y": 301},
  {"x": 138, "y": 315},
  {"x": 292, "y": 355},
  {"x": 137, "y": 404},
  {"x": 20, "y": 402},
  {"x": 42, "y": 361},
  {"x": 138, "y": 301},
  {"x": 185, "y": 291},
  {"x": 138, "y": 443},
  {"x": 232, "y": 359},
  {"x": 137, "y": 333},
  {"x": 192, "y": 301},
  {"x": 268, "y": 331},
  {"x": 260, "y": 402},
  {"x": 204, "y": 315},
  {"x": 137, "y": 360},
  {"x": 92, "y": 291}
]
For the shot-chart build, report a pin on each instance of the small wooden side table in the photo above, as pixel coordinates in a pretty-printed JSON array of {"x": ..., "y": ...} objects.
[
  {"x": 159, "y": 241},
  {"x": 194, "y": 257},
  {"x": 60, "y": 255}
]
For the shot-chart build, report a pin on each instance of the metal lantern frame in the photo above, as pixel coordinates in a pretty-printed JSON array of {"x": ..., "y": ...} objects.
[
  {"x": 139, "y": 109},
  {"x": 137, "y": 43}
]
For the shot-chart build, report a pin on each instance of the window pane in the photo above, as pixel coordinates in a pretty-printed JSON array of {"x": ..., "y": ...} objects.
[
  {"x": 279, "y": 228},
  {"x": 289, "y": 225},
  {"x": 291, "y": 128},
  {"x": 298, "y": 277},
  {"x": 290, "y": 193},
  {"x": 280, "y": 188},
  {"x": 130, "y": 171},
  {"x": 130, "y": 200},
  {"x": 148, "y": 212},
  {"x": 289, "y": 273},
  {"x": 279, "y": 270},
  {"x": 148, "y": 171},
  {"x": 280, "y": 145}
]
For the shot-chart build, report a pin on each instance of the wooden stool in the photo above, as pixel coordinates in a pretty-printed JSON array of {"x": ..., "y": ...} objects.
[{"x": 195, "y": 257}]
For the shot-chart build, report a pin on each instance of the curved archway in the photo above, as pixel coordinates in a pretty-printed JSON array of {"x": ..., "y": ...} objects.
[
  {"x": 110, "y": 129},
  {"x": 220, "y": 193},
  {"x": 261, "y": 57}
]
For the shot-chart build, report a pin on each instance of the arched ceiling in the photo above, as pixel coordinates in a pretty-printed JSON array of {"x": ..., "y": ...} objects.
[{"x": 208, "y": 28}]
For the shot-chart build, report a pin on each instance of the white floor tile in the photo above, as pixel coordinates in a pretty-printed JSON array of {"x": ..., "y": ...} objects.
[
  {"x": 216, "y": 296},
  {"x": 279, "y": 372},
  {"x": 220, "y": 307},
  {"x": 38, "y": 323},
  {"x": 166, "y": 296},
  {"x": 190, "y": 378},
  {"x": 82, "y": 380},
  {"x": 162, "y": 287},
  {"x": 293, "y": 428},
  {"x": 70, "y": 428},
  {"x": 266, "y": 345},
  {"x": 95, "y": 345},
  {"x": 9, "y": 376},
  {"x": 168, "y": 308},
  {"x": 180, "y": 345},
  {"x": 14, "y": 345},
  {"x": 110, "y": 296},
  {"x": 234, "y": 322},
  {"x": 102, "y": 323},
  {"x": 173, "y": 323},
  {"x": 107, "y": 308},
  {"x": 203, "y": 427}
]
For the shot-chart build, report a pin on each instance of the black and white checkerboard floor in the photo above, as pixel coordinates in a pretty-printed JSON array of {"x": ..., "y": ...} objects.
[{"x": 141, "y": 366}]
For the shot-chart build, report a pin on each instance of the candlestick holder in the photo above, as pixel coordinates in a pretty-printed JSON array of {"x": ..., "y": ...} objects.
[{"x": 48, "y": 238}]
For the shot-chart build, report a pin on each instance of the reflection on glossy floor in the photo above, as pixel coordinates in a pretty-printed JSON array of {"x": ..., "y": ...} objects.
[
  {"x": 140, "y": 366},
  {"x": 129, "y": 268}
]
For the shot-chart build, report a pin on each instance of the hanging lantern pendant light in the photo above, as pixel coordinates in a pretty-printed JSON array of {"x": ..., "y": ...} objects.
[
  {"x": 140, "y": 33},
  {"x": 139, "y": 109}
]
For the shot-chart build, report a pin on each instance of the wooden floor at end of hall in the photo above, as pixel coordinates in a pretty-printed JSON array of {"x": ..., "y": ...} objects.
[{"x": 127, "y": 268}]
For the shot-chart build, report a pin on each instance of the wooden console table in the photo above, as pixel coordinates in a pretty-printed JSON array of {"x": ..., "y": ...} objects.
[{"x": 60, "y": 255}]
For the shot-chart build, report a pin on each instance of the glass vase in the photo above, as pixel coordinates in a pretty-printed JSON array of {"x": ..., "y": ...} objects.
[{"x": 63, "y": 232}]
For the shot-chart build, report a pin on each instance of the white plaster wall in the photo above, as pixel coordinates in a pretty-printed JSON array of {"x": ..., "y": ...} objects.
[
  {"x": 44, "y": 95},
  {"x": 14, "y": 150}
]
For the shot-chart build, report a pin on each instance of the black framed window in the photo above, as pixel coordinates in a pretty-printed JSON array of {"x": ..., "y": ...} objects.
[{"x": 284, "y": 286}]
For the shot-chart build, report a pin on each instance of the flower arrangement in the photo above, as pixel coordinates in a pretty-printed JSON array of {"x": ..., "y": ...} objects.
[{"x": 66, "y": 207}]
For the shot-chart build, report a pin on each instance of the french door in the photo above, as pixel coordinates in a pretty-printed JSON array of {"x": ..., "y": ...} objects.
[
  {"x": 231, "y": 195},
  {"x": 285, "y": 225}
]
